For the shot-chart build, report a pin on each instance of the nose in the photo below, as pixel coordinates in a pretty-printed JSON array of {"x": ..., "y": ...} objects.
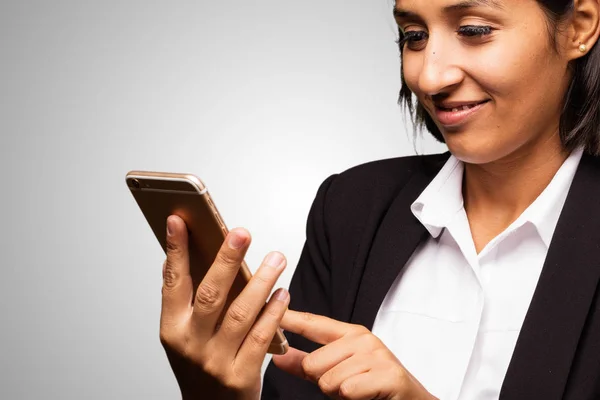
[{"x": 441, "y": 70}]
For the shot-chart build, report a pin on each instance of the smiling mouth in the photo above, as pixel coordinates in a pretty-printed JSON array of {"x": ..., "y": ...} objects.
[
  {"x": 453, "y": 117},
  {"x": 460, "y": 108}
]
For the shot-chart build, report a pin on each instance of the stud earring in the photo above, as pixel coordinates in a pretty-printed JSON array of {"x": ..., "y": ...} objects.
[{"x": 582, "y": 48}]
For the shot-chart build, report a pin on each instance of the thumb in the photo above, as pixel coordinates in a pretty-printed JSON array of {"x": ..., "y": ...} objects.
[{"x": 291, "y": 362}]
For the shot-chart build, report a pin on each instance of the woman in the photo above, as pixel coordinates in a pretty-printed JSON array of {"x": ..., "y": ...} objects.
[{"x": 469, "y": 275}]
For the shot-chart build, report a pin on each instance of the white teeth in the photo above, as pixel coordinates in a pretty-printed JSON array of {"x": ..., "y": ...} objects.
[{"x": 461, "y": 108}]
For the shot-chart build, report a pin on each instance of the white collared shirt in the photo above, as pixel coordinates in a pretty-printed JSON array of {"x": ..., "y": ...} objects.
[{"x": 452, "y": 317}]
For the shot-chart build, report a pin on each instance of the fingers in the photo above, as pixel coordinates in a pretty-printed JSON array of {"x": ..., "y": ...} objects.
[
  {"x": 317, "y": 328},
  {"x": 373, "y": 385},
  {"x": 291, "y": 362},
  {"x": 212, "y": 292},
  {"x": 188, "y": 319},
  {"x": 243, "y": 311},
  {"x": 177, "y": 288},
  {"x": 322, "y": 361},
  {"x": 317, "y": 363},
  {"x": 259, "y": 338},
  {"x": 331, "y": 381},
  {"x": 358, "y": 387}
]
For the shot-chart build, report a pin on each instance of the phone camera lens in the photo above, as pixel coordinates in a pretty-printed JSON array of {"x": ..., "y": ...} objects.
[{"x": 135, "y": 183}]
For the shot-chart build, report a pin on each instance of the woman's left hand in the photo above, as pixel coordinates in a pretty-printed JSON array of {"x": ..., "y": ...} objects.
[{"x": 352, "y": 364}]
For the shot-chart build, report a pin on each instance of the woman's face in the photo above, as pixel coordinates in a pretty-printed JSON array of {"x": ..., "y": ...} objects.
[{"x": 486, "y": 72}]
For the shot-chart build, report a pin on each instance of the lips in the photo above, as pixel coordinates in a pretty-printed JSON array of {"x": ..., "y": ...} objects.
[
  {"x": 456, "y": 106},
  {"x": 454, "y": 114}
]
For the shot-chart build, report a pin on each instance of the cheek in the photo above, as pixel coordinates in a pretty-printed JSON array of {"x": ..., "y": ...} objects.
[
  {"x": 519, "y": 60},
  {"x": 521, "y": 83},
  {"x": 501, "y": 69}
]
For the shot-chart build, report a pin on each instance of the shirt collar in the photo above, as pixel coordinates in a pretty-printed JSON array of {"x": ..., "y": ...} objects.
[
  {"x": 442, "y": 199},
  {"x": 544, "y": 212}
]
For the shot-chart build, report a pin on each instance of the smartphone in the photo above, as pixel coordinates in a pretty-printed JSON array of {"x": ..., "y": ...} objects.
[{"x": 160, "y": 194}]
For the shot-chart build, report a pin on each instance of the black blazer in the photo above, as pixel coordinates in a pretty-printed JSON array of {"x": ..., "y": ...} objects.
[{"x": 361, "y": 232}]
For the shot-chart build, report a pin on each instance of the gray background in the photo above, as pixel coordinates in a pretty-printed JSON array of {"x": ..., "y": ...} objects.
[{"x": 261, "y": 99}]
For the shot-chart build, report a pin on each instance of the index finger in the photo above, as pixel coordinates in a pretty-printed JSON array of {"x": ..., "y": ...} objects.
[
  {"x": 211, "y": 294},
  {"x": 316, "y": 328},
  {"x": 177, "y": 283}
]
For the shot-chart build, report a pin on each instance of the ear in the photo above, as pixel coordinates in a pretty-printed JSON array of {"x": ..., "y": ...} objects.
[{"x": 584, "y": 28}]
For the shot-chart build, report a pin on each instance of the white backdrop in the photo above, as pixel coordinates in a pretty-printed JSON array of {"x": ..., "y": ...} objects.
[{"x": 262, "y": 99}]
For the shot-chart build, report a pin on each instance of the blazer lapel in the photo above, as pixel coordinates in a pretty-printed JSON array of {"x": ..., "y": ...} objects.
[
  {"x": 395, "y": 241},
  {"x": 541, "y": 361}
]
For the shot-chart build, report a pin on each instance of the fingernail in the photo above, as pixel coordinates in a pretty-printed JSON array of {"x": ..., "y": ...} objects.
[
  {"x": 170, "y": 226},
  {"x": 274, "y": 260},
  {"x": 236, "y": 241},
  {"x": 281, "y": 294}
]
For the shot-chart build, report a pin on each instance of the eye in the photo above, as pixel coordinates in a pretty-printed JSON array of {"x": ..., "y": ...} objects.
[
  {"x": 474, "y": 30},
  {"x": 414, "y": 39}
]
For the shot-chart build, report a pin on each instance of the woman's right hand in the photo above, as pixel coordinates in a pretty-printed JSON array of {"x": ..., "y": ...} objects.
[{"x": 210, "y": 361}]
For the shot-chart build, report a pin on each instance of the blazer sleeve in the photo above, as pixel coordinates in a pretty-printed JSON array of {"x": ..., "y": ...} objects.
[{"x": 309, "y": 291}]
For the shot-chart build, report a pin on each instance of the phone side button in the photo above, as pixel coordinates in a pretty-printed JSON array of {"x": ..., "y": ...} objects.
[{"x": 218, "y": 219}]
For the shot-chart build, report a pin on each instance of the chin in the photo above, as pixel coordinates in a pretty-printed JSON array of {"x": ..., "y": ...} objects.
[{"x": 473, "y": 151}]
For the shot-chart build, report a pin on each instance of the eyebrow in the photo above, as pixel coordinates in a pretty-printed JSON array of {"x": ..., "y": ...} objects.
[{"x": 463, "y": 5}]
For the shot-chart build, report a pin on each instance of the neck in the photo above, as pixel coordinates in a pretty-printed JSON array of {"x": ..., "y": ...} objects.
[{"x": 495, "y": 194}]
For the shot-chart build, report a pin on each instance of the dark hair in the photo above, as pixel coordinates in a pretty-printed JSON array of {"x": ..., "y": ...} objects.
[{"x": 580, "y": 117}]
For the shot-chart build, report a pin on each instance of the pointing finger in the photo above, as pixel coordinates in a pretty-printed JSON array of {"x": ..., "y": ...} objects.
[{"x": 316, "y": 328}]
